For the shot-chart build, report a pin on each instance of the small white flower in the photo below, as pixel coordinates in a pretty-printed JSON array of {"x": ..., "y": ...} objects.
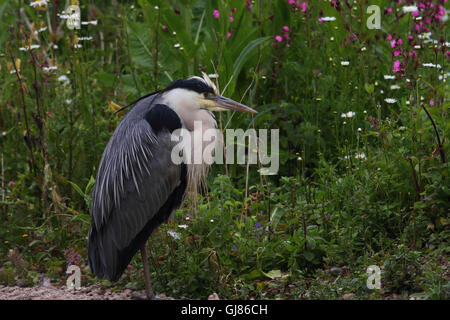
[
  {"x": 40, "y": 3},
  {"x": 407, "y": 9},
  {"x": 156, "y": 8},
  {"x": 85, "y": 38},
  {"x": 431, "y": 65},
  {"x": 408, "y": 102},
  {"x": 299, "y": 159},
  {"x": 360, "y": 156},
  {"x": 174, "y": 33},
  {"x": 68, "y": 101},
  {"x": 33, "y": 46},
  {"x": 424, "y": 35},
  {"x": 64, "y": 79},
  {"x": 48, "y": 69},
  {"x": 176, "y": 45},
  {"x": 93, "y": 22},
  {"x": 42, "y": 29},
  {"x": 395, "y": 87},
  {"x": 345, "y": 63},
  {"x": 350, "y": 114},
  {"x": 359, "y": 129},
  {"x": 332, "y": 38},
  {"x": 183, "y": 226},
  {"x": 390, "y": 100},
  {"x": 389, "y": 77},
  {"x": 174, "y": 235},
  {"x": 363, "y": 49},
  {"x": 343, "y": 115},
  {"x": 328, "y": 18},
  {"x": 77, "y": 45},
  {"x": 187, "y": 218},
  {"x": 212, "y": 220},
  {"x": 55, "y": 46},
  {"x": 417, "y": 46}
]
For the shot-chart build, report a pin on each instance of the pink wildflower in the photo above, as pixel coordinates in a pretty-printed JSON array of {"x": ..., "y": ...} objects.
[
  {"x": 393, "y": 42},
  {"x": 228, "y": 35},
  {"x": 216, "y": 14},
  {"x": 431, "y": 102},
  {"x": 278, "y": 38},
  {"x": 389, "y": 10},
  {"x": 304, "y": 5},
  {"x": 285, "y": 28},
  {"x": 291, "y": 2},
  {"x": 415, "y": 13},
  {"x": 399, "y": 42},
  {"x": 389, "y": 37},
  {"x": 396, "y": 53},
  {"x": 397, "y": 66}
]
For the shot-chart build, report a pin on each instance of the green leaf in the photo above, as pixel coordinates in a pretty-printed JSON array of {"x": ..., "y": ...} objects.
[
  {"x": 309, "y": 255},
  {"x": 276, "y": 215},
  {"x": 242, "y": 59},
  {"x": 77, "y": 189},
  {"x": 273, "y": 274},
  {"x": 369, "y": 88}
]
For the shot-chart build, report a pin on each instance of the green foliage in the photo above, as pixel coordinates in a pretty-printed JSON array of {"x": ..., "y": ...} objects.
[{"x": 362, "y": 181}]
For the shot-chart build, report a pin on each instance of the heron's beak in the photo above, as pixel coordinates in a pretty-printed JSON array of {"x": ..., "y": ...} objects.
[{"x": 222, "y": 103}]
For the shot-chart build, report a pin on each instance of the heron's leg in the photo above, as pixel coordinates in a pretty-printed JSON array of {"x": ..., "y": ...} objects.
[{"x": 148, "y": 285}]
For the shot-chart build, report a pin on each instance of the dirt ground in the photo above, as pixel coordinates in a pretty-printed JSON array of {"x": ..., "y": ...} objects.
[{"x": 62, "y": 293}]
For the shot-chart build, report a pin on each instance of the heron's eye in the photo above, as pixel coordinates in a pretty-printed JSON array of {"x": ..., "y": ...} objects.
[{"x": 207, "y": 95}]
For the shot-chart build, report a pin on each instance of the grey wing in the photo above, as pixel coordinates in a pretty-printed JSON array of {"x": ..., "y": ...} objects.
[{"x": 137, "y": 188}]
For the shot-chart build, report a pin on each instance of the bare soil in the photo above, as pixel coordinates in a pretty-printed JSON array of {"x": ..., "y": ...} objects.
[{"x": 50, "y": 292}]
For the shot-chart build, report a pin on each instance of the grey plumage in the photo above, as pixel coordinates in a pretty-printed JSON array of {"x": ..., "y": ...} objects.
[
  {"x": 138, "y": 186},
  {"x": 131, "y": 186}
]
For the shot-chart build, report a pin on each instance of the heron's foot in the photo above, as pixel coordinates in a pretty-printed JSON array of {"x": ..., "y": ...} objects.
[
  {"x": 143, "y": 296},
  {"x": 150, "y": 295}
]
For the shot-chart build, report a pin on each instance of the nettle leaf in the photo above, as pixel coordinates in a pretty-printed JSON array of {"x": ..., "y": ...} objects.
[{"x": 139, "y": 41}]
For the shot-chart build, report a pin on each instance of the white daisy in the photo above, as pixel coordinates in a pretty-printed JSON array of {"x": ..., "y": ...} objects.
[
  {"x": 40, "y": 3},
  {"x": 407, "y": 9},
  {"x": 328, "y": 18},
  {"x": 48, "y": 69},
  {"x": 395, "y": 87},
  {"x": 183, "y": 226},
  {"x": 33, "y": 46},
  {"x": 360, "y": 156},
  {"x": 64, "y": 79},
  {"x": 345, "y": 63},
  {"x": 390, "y": 100},
  {"x": 389, "y": 77},
  {"x": 174, "y": 234}
]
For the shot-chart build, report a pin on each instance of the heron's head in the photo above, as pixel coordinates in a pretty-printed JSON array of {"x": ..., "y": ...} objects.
[{"x": 199, "y": 93}]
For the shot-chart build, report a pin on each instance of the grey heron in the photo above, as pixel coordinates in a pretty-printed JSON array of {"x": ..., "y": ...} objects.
[{"x": 138, "y": 186}]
